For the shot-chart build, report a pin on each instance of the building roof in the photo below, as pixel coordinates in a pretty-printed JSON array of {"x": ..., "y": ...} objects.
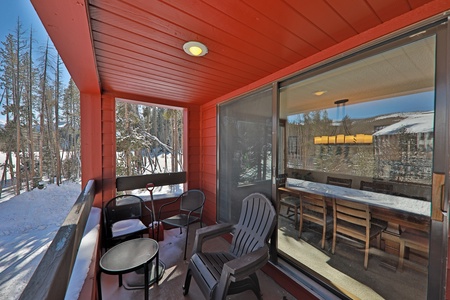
[{"x": 419, "y": 122}]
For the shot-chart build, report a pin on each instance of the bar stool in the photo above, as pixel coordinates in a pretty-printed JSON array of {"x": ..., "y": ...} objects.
[{"x": 413, "y": 239}]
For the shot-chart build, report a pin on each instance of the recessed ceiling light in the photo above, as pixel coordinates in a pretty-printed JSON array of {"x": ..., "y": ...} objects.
[
  {"x": 319, "y": 93},
  {"x": 194, "y": 48}
]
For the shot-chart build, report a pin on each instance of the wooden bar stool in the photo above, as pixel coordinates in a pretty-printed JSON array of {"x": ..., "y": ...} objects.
[{"x": 412, "y": 239}]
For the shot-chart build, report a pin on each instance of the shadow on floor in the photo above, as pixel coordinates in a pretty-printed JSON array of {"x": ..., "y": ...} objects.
[
  {"x": 170, "y": 286},
  {"x": 345, "y": 268}
]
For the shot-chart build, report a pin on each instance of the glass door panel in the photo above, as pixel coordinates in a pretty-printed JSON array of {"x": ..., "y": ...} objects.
[
  {"x": 358, "y": 144},
  {"x": 245, "y": 152}
]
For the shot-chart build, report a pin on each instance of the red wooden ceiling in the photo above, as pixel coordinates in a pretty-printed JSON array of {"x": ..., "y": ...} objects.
[{"x": 137, "y": 44}]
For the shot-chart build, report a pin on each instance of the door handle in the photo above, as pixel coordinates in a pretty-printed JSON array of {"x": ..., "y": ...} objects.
[{"x": 438, "y": 205}]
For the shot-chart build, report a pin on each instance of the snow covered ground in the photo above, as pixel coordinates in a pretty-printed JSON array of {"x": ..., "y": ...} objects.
[{"x": 28, "y": 223}]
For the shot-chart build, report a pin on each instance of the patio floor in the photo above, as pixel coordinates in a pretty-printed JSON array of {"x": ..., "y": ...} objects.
[
  {"x": 170, "y": 286},
  {"x": 345, "y": 270}
]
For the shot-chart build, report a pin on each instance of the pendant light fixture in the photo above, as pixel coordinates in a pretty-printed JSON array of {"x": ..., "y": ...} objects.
[{"x": 347, "y": 137}]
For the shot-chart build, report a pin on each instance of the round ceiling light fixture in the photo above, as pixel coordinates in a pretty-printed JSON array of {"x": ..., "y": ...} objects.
[{"x": 194, "y": 48}]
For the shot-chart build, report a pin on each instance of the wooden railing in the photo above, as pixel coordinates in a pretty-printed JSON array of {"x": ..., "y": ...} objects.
[{"x": 51, "y": 278}]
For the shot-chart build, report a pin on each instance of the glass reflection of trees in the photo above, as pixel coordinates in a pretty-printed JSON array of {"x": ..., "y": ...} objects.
[{"x": 399, "y": 151}]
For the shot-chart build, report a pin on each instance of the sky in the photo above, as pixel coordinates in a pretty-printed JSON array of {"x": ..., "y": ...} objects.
[
  {"x": 419, "y": 102},
  {"x": 22, "y": 9},
  {"x": 409, "y": 103},
  {"x": 11, "y": 11}
]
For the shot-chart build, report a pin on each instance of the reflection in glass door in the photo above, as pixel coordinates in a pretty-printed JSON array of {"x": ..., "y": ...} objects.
[
  {"x": 356, "y": 173},
  {"x": 245, "y": 151}
]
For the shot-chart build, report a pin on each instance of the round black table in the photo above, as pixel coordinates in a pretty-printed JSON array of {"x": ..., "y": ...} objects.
[{"x": 130, "y": 256}]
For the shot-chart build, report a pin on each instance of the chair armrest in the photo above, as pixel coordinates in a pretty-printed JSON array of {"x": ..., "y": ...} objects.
[
  {"x": 247, "y": 264},
  {"x": 209, "y": 232},
  {"x": 194, "y": 211},
  {"x": 241, "y": 267},
  {"x": 165, "y": 204}
]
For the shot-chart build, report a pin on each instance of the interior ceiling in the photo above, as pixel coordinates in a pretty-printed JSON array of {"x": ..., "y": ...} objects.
[
  {"x": 138, "y": 43},
  {"x": 405, "y": 70}
]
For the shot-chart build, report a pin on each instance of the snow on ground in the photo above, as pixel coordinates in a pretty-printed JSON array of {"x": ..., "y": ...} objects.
[{"x": 28, "y": 224}]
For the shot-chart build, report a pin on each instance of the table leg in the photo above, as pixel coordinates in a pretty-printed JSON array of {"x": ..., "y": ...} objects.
[
  {"x": 393, "y": 228},
  {"x": 120, "y": 279},
  {"x": 157, "y": 267},
  {"x": 146, "y": 280}
]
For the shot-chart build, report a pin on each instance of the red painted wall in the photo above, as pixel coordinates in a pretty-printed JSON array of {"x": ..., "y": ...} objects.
[
  {"x": 108, "y": 147},
  {"x": 208, "y": 162},
  {"x": 91, "y": 167},
  {"x": 208, "y": 111},
  {"x": 192, "y": 146}
]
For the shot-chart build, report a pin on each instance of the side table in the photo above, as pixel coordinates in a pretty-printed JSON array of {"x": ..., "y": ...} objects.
[{"x": 130, "y": 256}]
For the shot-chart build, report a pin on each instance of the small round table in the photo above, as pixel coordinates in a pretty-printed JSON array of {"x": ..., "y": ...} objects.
[{"x": 128, "y": 257}]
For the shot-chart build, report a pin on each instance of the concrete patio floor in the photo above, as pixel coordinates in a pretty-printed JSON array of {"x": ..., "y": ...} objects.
[{"x": 170, "y": 285}]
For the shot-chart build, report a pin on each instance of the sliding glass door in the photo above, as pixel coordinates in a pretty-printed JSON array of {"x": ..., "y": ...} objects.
[
  {"x": 245, "y": 152},
  {"x": 364, "y": 133}
]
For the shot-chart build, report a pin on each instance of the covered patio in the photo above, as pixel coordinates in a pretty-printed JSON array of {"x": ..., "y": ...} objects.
[
  {"x": 170, "y": 285},
  {"x": 133, "y": 51}
]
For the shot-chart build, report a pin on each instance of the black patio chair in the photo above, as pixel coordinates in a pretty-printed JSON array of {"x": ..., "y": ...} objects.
[
  {"x": 123, "y": 219},
  {"x": 190, "y": 211},
  {"x": 225, "y": 273}
]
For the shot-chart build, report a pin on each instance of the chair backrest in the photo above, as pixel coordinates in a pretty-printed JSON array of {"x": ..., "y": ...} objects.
[
  {"x": 122, "y": 208},
  {"x": 366, "y": 186},
  {"x": 281, "y": 180},
  {"x": 352, "y": 213},
  {"x": 377, "y": 186},
  {"x": 192, "y": 200},
  {"x": 256, "y": 223},
  {"x": 339, "y": 181},
  {"x": 313, "y": 205},
  {"x": 383, "y": 187}
]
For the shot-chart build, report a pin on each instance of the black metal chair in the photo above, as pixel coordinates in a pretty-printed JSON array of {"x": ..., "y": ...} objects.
[
  {"x": 123, "y": 219},
  {"x": 191, "y": 209},
  {"x": 226, "y": 273}
]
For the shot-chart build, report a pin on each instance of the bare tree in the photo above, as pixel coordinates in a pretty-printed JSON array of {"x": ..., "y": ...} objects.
[
  {"x": 56, "y": 131},
  {"x": 30, "y": 107},
  {"x": 17, "y": 94}
]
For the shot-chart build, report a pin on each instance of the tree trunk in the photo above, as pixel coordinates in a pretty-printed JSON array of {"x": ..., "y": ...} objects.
[
  {"x": 17, "y": 111},
  {"x": 30, "y": 110},
  {"x": 57, "y": 150},
  {"x": 42, "y": 114}
]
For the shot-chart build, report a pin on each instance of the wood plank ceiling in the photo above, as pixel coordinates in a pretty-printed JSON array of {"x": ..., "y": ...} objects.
[{"x": 138, "y": 44}]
